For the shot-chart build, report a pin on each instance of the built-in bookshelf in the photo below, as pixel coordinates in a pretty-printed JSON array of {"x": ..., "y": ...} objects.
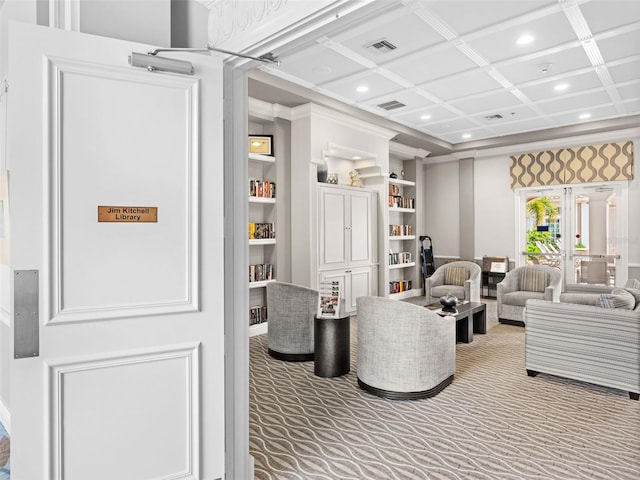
[
  {"x": 402, "y": 236},
  {"x": 262, "y": 199}
]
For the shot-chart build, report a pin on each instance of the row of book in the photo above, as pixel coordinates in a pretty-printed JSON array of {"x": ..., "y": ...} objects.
[
  {"x": 401, "y": 202},
  {"x": 400, "y": 230},
  {"x": 262, "y": 188},
  {"x": 259, "y": 231},
  {"x": 260, "y": 272},
  {"x": 398, "y": 258},
  {"x": 394, "y": 190},
  {"x": 399, "y": 286},
  {"x": 257, "y": 314}
]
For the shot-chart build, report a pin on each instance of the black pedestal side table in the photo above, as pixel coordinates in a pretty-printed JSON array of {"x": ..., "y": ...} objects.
[{"x": 332, "y": 346}]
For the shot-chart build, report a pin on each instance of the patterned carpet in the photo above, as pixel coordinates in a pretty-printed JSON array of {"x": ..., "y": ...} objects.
[{"x": 493, "y": 422}]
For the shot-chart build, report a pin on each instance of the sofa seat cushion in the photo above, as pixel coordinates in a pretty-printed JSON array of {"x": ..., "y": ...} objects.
[
  {"x": 580, "y": 298},
  {"x": 441, "y": 290},
  {"x": 520, "y": 298},
  {"x": 618, "y": 298}
]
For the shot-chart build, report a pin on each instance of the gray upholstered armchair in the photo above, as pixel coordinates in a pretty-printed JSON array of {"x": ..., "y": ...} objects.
[
  {"x": 404, "y": 351},
  {"x": 291, "y": 310},
  {"x": 460, "y": 278},
  {"x": 540, "y": 282}
]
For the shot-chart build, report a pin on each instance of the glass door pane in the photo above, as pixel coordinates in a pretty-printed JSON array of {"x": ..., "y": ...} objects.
[
  {"x": 594, "y": 253},
  {"x": 543, "y": 227}
]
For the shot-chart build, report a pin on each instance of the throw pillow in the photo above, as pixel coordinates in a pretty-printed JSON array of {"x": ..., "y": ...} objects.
[
  {"x": 455, "y": 275},
  {"x": 636, "y": 295},
  {"x": 618, "y": 298},
  {"x": 533, "y": 280},
  {"x": 632, "y": 283}
]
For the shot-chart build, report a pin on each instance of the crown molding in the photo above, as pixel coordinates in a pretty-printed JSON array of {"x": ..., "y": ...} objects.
[
  {"x": 262, "y": 110},
  {"x": 311, "y": 109},
  {"x": 405, "y": 152}
]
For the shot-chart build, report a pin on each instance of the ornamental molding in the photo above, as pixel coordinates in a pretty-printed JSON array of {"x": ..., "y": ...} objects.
[{"x": 229, "y": 19}]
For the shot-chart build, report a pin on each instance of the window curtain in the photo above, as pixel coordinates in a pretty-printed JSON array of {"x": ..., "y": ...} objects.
[{"x": 593, "y": 163}]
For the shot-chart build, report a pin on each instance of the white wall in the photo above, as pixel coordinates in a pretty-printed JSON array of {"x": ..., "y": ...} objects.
[
  {"x": 494, "y": 208},
  {"x": 442, "y": 208}
]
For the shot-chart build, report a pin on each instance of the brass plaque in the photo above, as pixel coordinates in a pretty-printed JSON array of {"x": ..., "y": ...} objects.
[{"x": 127, "y": 214}]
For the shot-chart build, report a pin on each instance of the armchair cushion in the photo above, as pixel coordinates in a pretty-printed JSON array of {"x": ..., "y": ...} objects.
[
  {"x": 618, "y": 298},
  {"x": 456, "y": 275}
]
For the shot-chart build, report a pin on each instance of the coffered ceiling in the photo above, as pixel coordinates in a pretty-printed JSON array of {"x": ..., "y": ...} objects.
[{"x": 465, "y": 73}]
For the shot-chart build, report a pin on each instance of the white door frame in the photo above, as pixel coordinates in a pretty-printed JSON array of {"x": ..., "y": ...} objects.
[{"x": 567, "y": 195}]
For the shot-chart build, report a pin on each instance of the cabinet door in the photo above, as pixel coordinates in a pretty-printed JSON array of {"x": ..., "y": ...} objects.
[
  {"x": 359, "y": 281},
  {"x": 361, "y": 228},
  {"x": 332, "y": 228}
]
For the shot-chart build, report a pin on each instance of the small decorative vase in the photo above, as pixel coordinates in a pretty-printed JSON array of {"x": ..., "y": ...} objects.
[
  {"x": 332, "y": 178},
  {"x": 449, "y": 300}
]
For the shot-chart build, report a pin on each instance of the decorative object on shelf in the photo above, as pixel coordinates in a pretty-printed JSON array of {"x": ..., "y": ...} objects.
[
  {"x": 448, "y": 300},
  {"x": 332, "y": 178},
  {"x": 354, "y": 179},
  {"x": 323, "y": 171},
  {"x": 262, "y": 144},
  {"x": 402, "y": 173},
  {"x": 393, "y": 175}
]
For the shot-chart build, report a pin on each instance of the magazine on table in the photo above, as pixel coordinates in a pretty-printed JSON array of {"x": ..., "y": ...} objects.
[{"x": 329, "y": 299}]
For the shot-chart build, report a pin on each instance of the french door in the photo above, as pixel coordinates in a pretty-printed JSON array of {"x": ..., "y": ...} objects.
[{"x": 579, "y": 229}]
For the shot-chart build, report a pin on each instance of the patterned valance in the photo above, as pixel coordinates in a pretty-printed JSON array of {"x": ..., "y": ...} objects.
[{"x": 594, "y": 163}]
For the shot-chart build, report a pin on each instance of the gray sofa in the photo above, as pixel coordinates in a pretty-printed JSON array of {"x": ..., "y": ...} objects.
[
  {"x": 459, "y": 278},
  {"x": 291, "y": 310},
  {"x": 404, "y": 351},
  {"x": 585, "y": 342},
  {"x": 540, "y": 282}
]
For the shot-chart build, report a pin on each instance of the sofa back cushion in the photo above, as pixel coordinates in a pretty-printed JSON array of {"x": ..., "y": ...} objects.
[
  {"x": 533, "y": 280},
  {"x": 455, "y": 275},
  {"x": 618, "y": 298}
]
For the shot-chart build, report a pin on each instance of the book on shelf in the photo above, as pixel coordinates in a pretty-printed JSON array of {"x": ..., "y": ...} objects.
[
  {"x": 262, "y": 188},
  {"x": 399, "y": 258},
  {"x": 257, "y": 314},
  {"x": 260, "y": 272},
  {"x": 329, "y": 299},
  {"x": 400, "y": 286},
  {"x": 259, "y": 231},
  {"x": 400, "y": 230},
  {"x": 398, "y": 201}
]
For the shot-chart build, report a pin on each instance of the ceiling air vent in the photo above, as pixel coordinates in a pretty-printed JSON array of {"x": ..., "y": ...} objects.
[
  {"x": 392, "y": 105},
  {"x": 497, "y": 116},
  {"x": 382, "y": 46}
]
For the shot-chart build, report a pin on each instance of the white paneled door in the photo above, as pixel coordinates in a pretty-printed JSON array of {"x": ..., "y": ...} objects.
[{"x": 117, "y": 366}]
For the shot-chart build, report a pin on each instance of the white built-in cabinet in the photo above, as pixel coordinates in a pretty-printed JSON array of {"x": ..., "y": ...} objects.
[{"x": 347, "y": 240}]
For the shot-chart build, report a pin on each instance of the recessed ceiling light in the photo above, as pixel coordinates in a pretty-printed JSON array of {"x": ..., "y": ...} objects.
[
  {"x": 362, "y": 89},
  {"x": 561, "y": 87},
  {"x": 426, "y": 116},
  {"x": 525, "y": 39},
  {"x": 584, "y": 116},
  {"x": 466, "y": 135},
  {"x": 356, "y": 158}
]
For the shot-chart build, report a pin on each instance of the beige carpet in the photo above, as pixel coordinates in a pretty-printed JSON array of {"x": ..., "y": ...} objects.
[{"x": 492, "y": 422}]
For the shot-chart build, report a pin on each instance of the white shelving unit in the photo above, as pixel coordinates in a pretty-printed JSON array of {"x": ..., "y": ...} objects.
[
  {"x": 262, "y": 251},
  {"x": 400, "y": 276}
]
